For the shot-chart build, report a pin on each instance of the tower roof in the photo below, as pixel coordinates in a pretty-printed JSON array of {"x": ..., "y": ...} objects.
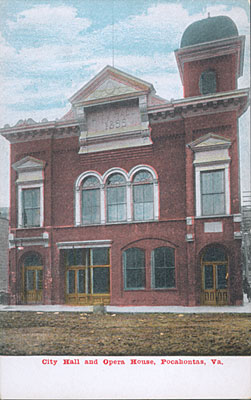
[{"x": 209, "y": 30}]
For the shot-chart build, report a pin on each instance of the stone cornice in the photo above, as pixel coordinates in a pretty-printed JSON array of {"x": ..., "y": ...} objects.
[{"x": 236, "y": 100}]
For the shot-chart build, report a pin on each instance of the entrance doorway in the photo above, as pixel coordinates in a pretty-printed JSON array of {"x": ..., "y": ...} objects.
[
  {"x": 87, "y": 276},
  {"x": 32, "y": 279},
  {"x": 214, "y": 265}
]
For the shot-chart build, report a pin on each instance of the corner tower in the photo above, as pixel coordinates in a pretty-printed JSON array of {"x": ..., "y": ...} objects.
[{"x": 210, "y": 58}]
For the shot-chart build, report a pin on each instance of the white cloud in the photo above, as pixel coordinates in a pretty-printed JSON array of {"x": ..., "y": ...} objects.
[{"x": 51, "y": 20}]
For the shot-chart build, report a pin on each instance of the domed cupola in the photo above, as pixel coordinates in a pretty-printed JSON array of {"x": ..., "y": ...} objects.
[
  {"x": 210, "y": 58},
  {"x": 209, "y": 30}
]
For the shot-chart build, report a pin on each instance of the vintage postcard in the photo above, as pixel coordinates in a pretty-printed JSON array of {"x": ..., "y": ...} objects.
[{"x": 125, "y": 199}]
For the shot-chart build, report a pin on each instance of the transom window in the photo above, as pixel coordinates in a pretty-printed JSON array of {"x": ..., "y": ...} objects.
[
  {"x": 31, "y": 207},
  {"x": 116, "y": 198},
  {"x": 143, "y": 198},
  {"x": 163, "y": 268},
  {"x": 213, "y": 192},
  {"x": 134, "y": 268},
  {"x": 91, "y": 200},
  {"x": 207, "y": 83}
]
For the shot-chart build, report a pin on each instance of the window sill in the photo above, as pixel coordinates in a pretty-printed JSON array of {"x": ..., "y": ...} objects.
[
  {"x": 173, "y": 289},
  {"x": 214, "y": 216},
  {"x": 118, "y": 223},
  {"x": 28, "y": 227}
]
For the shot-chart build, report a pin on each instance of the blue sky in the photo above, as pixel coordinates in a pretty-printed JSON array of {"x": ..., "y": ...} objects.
[{"x": 49, "y": 49}]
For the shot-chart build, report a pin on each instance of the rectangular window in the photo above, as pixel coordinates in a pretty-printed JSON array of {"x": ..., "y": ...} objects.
[
  {"x": 31, "y": 207},
  {"x": 213, "y": 192},
  {"x": 91, "y": 206}
]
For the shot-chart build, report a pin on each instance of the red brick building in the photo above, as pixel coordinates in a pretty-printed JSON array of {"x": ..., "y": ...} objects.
[{"x": 131, "y": 199}]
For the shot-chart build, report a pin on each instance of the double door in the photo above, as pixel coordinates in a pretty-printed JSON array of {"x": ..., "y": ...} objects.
[{"x": 214, "y": 283}]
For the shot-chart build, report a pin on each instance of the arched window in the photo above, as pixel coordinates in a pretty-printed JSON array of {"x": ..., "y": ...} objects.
[
  {"x": 134, "y": 268},
  {"x": 91, "y": 200},
  {"x": 143, "y": 197},
  {"x": 116, "y": 198},
  {"x": 163, "y": 268},
  {"x": 207, "y": 83}
]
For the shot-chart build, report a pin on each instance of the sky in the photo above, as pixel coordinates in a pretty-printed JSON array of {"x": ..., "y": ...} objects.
[{"x": 50, "y": 48}]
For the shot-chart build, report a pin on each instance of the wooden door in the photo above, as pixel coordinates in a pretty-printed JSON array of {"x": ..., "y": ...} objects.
[{"x": 214, "y": 283}]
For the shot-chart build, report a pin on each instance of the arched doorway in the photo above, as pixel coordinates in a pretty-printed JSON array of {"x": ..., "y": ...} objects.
[
  {"x": 32, "y": 279},
  {"x": 214, "y": 271}
]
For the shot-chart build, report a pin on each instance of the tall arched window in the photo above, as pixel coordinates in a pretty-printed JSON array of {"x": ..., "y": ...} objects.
[
  {"x": 207, "y": 83},
  {"x": 91, "y": 200},
  {"x": 143, "y": 196},
  {"x": 163, "y": 268},
  {"x": 116, "y": 198},
  {"x": 134, "y": 268}
]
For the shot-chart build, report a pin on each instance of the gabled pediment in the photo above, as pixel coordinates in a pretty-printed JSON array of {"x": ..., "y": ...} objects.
[
  {"x": 28, "y": 164},
  {"x": 110, "y": 84},
  {"x": 210, "y": 142}
]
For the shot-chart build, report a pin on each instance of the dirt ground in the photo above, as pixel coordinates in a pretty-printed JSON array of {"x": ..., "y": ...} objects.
[{"x": 59, "y": 333}]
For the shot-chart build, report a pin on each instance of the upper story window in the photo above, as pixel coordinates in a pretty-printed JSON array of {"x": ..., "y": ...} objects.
[
  {"x": 212, "y": 175},
  {"x": 30, "y": 192},
  {"x": 134, "y": 268},
  {"x": 91, "y": 200},
  {"x": 212, "y": 192},
  {"x": 207, "y": 83},
  {"x": 143, "y": 197},
  {"x": 163, "y": 268},
  {"x": 31, "y": 207},
  {"x": 116, "y": 198}
]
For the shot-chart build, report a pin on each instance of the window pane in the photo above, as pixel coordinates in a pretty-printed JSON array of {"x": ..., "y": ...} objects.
[
  {"x": 39, "y": 279},
  {"x": 135, "y": 278},
  {"x": 207, "y": 182},
  {"x": 75, "y": 257},
  {"x": 148, "y": 192},
  {"x": 214, "y": 253},
  {"x": 218, "y": 204},
  {"x": 138, "y": 193},
  {"x": 71, "y": 281},
  {"x": 221, "y": 276},
  {"x": 116, "y": 179},
  {"x": 207, "y": 82},
  {"x": 112, "y": 213},
  {"x": 138, "y": 212},
  {"x": 91, "y": 206},
  {"x": 164, "y": 267},
  {"x": 101, "y": 280},
  {"x": 32, "y": 260},
  {"x": 91, "y": 181},
  {"x": 81, "y": 280},
  {"x": 218, "y": 179},
  {"x": 100, "y": 256},
  {"x": 143, "y": 176},
  {"x": 30, "y": 279},
  {"x": 134, "y": 268},
  {"x": 148, "y": 211},
  {"x": 209, "y": 279},
  {"x": 121, "y": 212},
  {"x": 121, "y": 193}
]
